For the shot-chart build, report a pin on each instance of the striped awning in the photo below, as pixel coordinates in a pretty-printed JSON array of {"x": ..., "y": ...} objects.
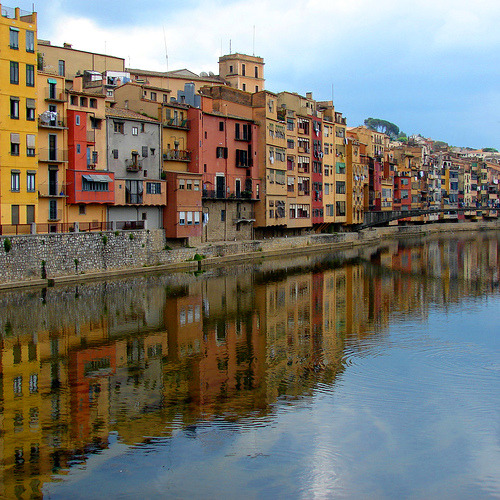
[{"x": 98, "y": 178}]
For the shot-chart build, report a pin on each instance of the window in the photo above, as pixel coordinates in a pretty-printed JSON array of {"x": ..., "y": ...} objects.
[
  {"x": 244, "y": 87},
  {"x": 18, "y": 385},
  {"x": 243, "y": 70},
  {"x": 30, "y": 109},
  {"x": 196, "y": 185},
  {"x": 189, "y": 185},
  {"x": 73, "y": 100},
  {"x": 221, "y": 152},
  {"x": 78, "y": 149},
  {"x": 30, "y": 75},
  {"x": 181, "y": 183},
  {"x": 153, "y": 187},
  {"x": 189, "y": 218},
  {"x": 15, "y": 140},
  {"x": 14, "y": 181},
  {"x": 30, "y": 144},
  {"x": 143, "y": 127},
  {"x": 88, "y": 184},
  {"x": 340, "y": 187},
  {"x": 93, "y": 103},
  {"x": 256, "y": 72},
  {"x": 340, "y": 208},
  {"x": 14, "y": 72},
  {"x": 82, "y": 209},
  {"x": 222, "y": 215},
  {"x": 95, "y": 123},
  {"x": 133, "y": 192},
  {"x": 30, "y": 41},
  {"x": 77, "y": 120},
  {"x": 196, "y": 218},
  {"x": 53, "y": 210},
  {"x": 182, "y": 218},
  {"x": 14, "y": 108},
  {"x": 115, "y": 154},
  {"x": 14, "y": 38},
  {"x": 30, "y": 214},
  {"x": 118, "y": 127},
  {"x": 62, "y": 68},
  {"x": 135, "y": 131},
  {"x": 33, "y": 383},
  {"x": 230, "y": 70},
  {"x": 153, "y": 96},
  {"x": 144, "y": 151},
  {"x": 221, "y": 126},
  {"x": 256, "y": 90},
  {"x": 242, "y": 158}
]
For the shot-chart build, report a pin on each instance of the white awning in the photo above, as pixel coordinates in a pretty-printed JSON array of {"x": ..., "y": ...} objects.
[{"x": 98, "y": 178}]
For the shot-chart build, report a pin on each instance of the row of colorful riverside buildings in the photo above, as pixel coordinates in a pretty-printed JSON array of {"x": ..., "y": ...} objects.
[{"x": 87, "y": 144}]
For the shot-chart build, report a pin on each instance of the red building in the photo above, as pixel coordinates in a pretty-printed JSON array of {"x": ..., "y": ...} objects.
[
  {"x": 317, "y": 171},
  {"x": 402, "y": 191},
  {"x": 224, "y": 152},
  {"x": 85, "y": 184}
]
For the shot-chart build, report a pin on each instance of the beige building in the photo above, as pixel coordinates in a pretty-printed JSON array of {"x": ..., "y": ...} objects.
[
  {"x": 53, "y": 149},
  {"x": 69, "y": 62},
  {"x": 243, "y": 72},
  {"x": 173, "y": 81}
]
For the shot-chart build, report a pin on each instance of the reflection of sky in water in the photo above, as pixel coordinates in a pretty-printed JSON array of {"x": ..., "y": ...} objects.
[{"x": 419, "y": 416}]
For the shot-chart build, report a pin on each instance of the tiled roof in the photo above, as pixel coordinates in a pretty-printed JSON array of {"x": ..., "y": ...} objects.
[{"x": 128, "y": 114}]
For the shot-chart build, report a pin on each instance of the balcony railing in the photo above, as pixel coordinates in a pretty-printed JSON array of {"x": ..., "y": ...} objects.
[
  {"x": 52, "y": 190},
  {"x": 57, "y": 95},
  {"x": 224, "y": 195},
  {"x": 50, "y": 121},
  {"x": 55, "y": 215},
  {"x": 53, "y": 155},
  {"x": 133, "y": 165},
  {"x": 177, "y": 155},
  {"x": 176, "y": 123}
]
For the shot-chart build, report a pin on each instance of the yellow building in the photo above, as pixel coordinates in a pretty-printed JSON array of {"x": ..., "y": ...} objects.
[
  {"x": 271, "y": 216},
  {"x": 299, "y": 111},
  {"x": 18, "y": 126}
]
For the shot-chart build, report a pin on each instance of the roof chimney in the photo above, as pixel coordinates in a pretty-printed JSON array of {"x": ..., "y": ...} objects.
[
  {"x": 67, "y": 45},
  {"x": 309, "y": 95}
]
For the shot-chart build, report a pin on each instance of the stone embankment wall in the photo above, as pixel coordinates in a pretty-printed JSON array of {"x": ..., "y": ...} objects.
[{"x": 33, "y": 259}]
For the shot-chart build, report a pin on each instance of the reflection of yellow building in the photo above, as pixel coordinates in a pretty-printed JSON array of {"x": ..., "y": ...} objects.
[
  {"x": 25, "y": 458},
  {"x": 18, "y": 126},
  {"x": 147, "y": 357}
]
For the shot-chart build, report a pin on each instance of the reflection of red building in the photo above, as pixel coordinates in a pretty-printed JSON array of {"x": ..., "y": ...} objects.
[
  {"x": 85, "y": 183},
  {"x": 87, "y": 369}
]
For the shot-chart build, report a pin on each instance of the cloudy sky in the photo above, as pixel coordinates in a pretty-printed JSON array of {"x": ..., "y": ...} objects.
[{"x": 430, "y": 66}]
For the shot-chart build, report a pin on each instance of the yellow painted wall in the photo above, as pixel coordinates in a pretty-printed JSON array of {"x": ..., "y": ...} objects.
[{"x": 8, "y": 162}]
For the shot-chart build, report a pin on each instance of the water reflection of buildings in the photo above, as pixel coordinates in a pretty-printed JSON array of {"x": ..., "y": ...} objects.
[{"x": 141, "y": 356}]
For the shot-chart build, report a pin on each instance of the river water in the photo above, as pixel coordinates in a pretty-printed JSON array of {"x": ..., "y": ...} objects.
[{"x": 370, "y": 373}]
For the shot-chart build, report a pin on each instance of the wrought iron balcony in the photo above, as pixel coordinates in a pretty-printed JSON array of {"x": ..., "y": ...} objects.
[{"x": 177, "y": 155}]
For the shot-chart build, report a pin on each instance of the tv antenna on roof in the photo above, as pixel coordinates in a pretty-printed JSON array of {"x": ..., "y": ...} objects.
[{"x": 165, "y": 41}]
